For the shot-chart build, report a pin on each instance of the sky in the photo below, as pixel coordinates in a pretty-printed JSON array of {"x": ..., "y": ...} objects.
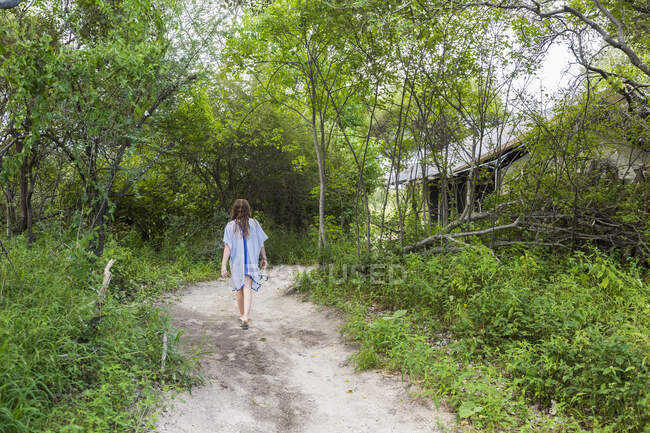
[{"x": 558, "y": 68}]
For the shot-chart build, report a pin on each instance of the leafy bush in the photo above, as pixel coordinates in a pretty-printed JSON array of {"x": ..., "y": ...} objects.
[
  {"x": 570, "y": 332},
  {"x": 289, "y": 247}
]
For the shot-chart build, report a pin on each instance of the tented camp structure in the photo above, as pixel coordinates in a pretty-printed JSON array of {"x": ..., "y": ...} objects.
[
  {"x": 455, "y": 163},
  {"x": 499, "y": 156}
]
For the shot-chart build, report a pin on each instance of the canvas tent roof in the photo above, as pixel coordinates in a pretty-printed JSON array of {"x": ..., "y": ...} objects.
[{"x": 460, "y": 159}]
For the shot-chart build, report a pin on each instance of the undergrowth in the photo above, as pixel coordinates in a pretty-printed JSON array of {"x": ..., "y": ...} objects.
[
  {"x": 66, "y": 368},
  {"x": 537, "y": 342}
]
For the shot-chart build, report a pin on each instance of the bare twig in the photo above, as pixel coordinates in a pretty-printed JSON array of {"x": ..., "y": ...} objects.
[{"x": 617, "y": 41}]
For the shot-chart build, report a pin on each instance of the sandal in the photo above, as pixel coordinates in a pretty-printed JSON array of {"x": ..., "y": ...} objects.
[{"x": 243, "y": 325}]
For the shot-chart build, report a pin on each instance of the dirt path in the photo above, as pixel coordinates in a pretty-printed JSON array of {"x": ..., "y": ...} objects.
[{"x": 287, "y": 373}]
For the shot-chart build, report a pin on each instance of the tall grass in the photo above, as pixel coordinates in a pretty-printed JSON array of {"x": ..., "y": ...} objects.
[{"x": 63, "y": 368}]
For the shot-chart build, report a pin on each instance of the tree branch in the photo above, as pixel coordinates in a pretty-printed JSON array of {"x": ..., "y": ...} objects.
[
  {"x": 618, "y": 42},
  {"x": 423, "y": 243},
  {"x": 144, "y": 170}
]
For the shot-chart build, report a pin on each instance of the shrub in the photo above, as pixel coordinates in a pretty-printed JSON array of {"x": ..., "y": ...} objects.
[
  {"x": 63, "y": 365},
  {"x": 570, "y": 331}
]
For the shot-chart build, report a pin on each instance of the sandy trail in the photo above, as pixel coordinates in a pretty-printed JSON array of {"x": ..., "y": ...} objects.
[{"x": 287, "y": 373}]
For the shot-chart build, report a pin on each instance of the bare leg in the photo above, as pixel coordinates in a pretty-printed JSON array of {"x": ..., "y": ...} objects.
[
  {"x": 248, "y": 298},
  {"x": 240, "y": 303}
]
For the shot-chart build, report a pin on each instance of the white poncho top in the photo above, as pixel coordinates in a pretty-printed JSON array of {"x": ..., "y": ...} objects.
[{"x": 244, "y": 253}]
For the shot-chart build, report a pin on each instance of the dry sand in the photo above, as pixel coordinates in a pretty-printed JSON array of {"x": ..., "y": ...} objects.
[{"x": 287, "y": 373}]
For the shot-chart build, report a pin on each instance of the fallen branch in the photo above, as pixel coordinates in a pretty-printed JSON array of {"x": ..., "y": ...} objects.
[
  {"x": 542, "y": 244},
  {"x": 466, "y": 245},
  {"x": 479, "y": 216},
  {"x": 446, "y": 249},
  {"x": 423, "y": 243},
  {"x": 498, "y": 244}
]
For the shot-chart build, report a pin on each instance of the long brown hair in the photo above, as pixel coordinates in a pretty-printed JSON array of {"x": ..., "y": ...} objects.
[{"x": 241, "y": 212}]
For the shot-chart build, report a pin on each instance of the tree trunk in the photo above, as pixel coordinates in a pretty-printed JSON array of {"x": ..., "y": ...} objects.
[
  {"x": 414, "y": 208},
  {"x": 399, "y": 163},
  {"x": 99, "y": 221},
  {"x": 356, "y": 219},
  {"x": 443, "y": 205},
  {"x": 365, "y": 200},
  {"x": 386, "y": 194},
  {"x": 342, "y": 217},
  {"x": 426, "y": 207},
  {"x": 470, "y": 185},
  {"x": 26, "y": 191},
  {"x": 11, "y": 209},
  {"x": 8, "y": 219},
  {"x": 393, "y": 166},
  {"x": 30, "y": 208},
  {"x": 322, "y": 241}
]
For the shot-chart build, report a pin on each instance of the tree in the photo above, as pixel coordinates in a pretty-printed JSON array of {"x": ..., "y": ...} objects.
[
  {"x": 85, "y": 81},
  {"x": 238, "y": 147},
  {"x": 594, "y": 29},
  {"x": 295, "y": 52}
]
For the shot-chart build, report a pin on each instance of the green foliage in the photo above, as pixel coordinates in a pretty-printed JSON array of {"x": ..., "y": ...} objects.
[
  {"x": 63, "y": 367},
  {"x": 288, "y": 247},
  {"x": 585, "y": 167},
  {"x": 110, "y": 115},
  {"x": 568, "y": 332}
]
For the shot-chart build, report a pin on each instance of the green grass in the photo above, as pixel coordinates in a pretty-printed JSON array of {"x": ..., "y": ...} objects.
[
  {"x": 537, "y": 343},
  {"x": 62, "y": 369}
]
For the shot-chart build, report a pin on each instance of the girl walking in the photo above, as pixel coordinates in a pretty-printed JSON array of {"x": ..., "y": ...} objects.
[{"x": 244, "y": 242}]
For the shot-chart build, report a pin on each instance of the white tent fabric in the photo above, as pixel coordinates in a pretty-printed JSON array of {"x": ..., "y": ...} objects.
[{"x": 459, "y": 157}]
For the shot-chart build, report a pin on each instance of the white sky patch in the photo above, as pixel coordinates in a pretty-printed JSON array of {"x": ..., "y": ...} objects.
[{"x": 558, "y": 69}]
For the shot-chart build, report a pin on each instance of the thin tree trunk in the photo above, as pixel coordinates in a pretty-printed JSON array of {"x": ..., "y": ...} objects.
[
  {"x": 322, "y": 242},
  {"x": 386, "y": 193},
  {"x": 11, "y": 210},
  {"x": 26, "y": 191},
  {"x": 399, "y": 161},
  {"x": 469, "y": 195},
  {"x": 392, "y": 163},
  {"x": 365, "y": 200},
  {"x": 30, "y": 208},
  {"x": 99, "y": 239},
  {"x": 426, "y": 209},
  {"x": 443, "y": 205},
  {"x": 356, "y": 219},
  {"x": 414, "y": 207},
  {"x": 342, "y": 217}
]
